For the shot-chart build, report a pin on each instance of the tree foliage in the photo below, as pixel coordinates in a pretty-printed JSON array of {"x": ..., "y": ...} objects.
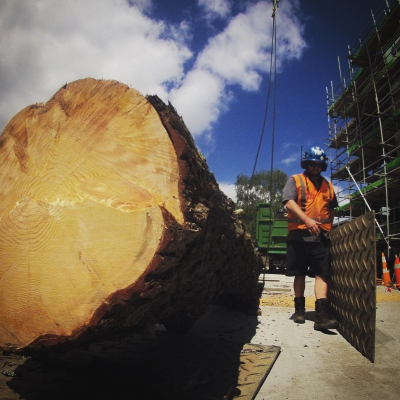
[{"x": 263, "y": 187}]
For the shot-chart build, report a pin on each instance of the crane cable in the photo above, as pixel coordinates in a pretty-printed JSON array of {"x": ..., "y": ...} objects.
[{"x": 272, "y": 64}]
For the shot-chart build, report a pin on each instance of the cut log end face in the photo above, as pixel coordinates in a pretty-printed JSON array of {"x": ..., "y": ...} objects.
[{"x": 83, "y": 181}]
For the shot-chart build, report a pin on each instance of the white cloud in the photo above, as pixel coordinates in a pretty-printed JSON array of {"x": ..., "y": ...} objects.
[
  {"x": 181, "y": 33},
  {"x": 242, "y": 51},
  {"x": 143, "y": 5},
  {"x": 216, "y": 8},
  {"x": 47, "y": 43},
  {"x": 199, "y": 100},
  {"x": 229, "y": 189},
  {"x": 238, "y": 55},
  {"x": 206, "y": 143},
  {"x": 289, "y": 160},
  {"x": 287, "y": 145},
  {"x": 290, "y": 42}
]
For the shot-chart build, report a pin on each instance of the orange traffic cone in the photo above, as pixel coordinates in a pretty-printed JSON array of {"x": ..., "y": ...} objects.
[
  {"x": 386, "y": 274},
  {"x": 397, "y": 271}
]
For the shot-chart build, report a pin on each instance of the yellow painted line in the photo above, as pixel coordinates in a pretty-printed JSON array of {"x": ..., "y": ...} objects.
[
  {"x": 286, "y": 300},
  {"x": 388, "y": 297}
]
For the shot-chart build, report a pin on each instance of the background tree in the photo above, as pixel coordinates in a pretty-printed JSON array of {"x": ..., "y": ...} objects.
[{"x": 263, "y": 187}]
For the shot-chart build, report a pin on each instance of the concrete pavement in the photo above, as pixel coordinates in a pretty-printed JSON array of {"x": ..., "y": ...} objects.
[{"x": 312, "y": 364}]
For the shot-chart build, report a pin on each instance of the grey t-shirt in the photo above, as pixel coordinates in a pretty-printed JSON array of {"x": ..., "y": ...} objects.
[{"x": 303, "y": 235}]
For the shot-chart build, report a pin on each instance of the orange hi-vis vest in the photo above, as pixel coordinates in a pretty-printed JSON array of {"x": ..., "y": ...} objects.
[{"x": 315, "y": 203}]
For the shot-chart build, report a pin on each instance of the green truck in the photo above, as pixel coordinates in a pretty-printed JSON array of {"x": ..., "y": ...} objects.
[{"x": 271, "y": 234}]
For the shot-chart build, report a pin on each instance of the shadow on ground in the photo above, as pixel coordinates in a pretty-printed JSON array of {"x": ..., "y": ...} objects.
[{"x": 169, "y": 366}]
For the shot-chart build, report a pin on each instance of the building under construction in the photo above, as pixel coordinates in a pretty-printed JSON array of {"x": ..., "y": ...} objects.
[{"x": 364, "y": 136}]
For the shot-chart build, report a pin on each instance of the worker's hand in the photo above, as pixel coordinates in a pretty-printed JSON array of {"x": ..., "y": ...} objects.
[{"x": 312, "y": 226}]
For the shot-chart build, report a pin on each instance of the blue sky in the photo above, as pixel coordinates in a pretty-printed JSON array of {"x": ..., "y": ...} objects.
[{"x": 210, "y": 58}]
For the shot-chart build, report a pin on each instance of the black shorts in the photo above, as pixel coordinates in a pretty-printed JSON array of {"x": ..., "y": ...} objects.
[{"x": 307, "y": 258}]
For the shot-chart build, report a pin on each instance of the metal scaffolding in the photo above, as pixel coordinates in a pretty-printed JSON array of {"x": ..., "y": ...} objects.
[{"x": 363, "y": 120}]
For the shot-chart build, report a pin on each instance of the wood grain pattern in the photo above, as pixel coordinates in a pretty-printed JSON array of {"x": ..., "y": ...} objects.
[
  {"x": 82, "y": 181},
  {"x": 109, "y": 217}
]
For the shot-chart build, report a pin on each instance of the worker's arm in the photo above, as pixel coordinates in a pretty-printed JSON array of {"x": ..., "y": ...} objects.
[{"x": 311, "y": 225}]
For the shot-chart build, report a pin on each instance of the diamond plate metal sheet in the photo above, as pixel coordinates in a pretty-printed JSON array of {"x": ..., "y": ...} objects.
[{"x": 352, "y": 291}]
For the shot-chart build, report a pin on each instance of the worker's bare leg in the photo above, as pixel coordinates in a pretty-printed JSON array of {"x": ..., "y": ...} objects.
[
  {"x": 321, "y": 287},
  {"x": 299, "y": 286}
]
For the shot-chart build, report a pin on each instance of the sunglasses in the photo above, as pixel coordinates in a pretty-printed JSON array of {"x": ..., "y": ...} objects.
[{"x": 315, "y": 164}]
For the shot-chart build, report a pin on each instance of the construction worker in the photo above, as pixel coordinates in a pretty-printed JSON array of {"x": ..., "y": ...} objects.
[{"x": 310, "y": 201}]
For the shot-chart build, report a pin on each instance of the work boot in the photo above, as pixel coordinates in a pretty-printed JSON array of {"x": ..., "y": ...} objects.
[
  {"x": 299, "y": 310},
  {"x": 322, "y": 318}
]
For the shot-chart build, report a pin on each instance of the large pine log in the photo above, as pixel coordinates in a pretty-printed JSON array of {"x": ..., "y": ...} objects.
[{"x": 110, "y": 217}]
